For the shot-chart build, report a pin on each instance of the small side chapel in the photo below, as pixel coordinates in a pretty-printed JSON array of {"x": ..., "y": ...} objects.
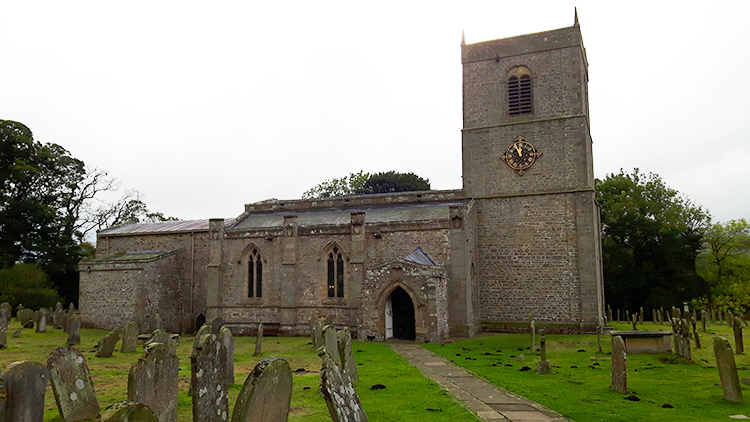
[{"x": 521, "y": 238}]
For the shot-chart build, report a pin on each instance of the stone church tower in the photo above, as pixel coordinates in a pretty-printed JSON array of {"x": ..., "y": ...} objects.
[
  {"x": 521, "y": 238},
  {"x": 527, "y": 165}
]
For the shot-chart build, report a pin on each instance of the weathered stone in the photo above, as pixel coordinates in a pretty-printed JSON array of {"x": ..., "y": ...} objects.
[
  {"x": 41, "y": 320},
  {"x": 347, "y": 357},
  {"x": 267, "y": 393},
  {"x": 157, "y": 323},
  {"x": 341, "y": 398},
  {"x": 3, "y": 333},
  {"x": 312, "y": 322},
  {"x": 130, "y": 338},
  {"x": 58, "y": 319},
  {"x": 259, "y": 340},
  {"x": 619, "y": 365},
  {"x": 226, "y": 339},
  {"x": 730, "y": 380},
  {"x": 25, "y": 315},
  {"x": 127, "y": 411},
  {"x": 208, "y": 365},
  {"x": 319, "y": 334},
  {"x": 738, "y": 343},
  {"x": 107, "y": 344},
  {"x": 175, "y": 327},
  {"x": 544, "y": 366},
  {"x": 205, "y": 329},
  {"x": 17, "y": 334},
  {"x": 216, "y": 325},
  {"x": 25, "y": 384},
  {"x": 5, "y": 313},
  {"x": 161, "y": 336},
  {"x": 29, "y": 324},
  {"x": 331, "y": 343},
  {"x": 188, "y": 324},
  {"x": 72, "y": 384},
  {"x": 74, "y": 328},
  {"x": 153, "y": 380},
  {"x": 145, "y": 325},
  {"x": 532, "y": 332},
  {"x": 695, "y": 334}
]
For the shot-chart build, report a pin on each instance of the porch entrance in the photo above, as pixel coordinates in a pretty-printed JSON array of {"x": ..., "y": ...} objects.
[{"x": 399, "y": 316}]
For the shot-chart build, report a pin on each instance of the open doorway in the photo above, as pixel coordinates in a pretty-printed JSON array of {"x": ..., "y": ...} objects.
[{"x": 399, "y": 316}]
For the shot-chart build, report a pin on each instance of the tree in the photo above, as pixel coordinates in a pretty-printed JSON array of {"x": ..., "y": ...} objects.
[
  {"x": 364, "y": 183},
  {"x": 651, "y": 236},
  {"x": 725, "y": 261},
  {"x": 130, "y": 208}
]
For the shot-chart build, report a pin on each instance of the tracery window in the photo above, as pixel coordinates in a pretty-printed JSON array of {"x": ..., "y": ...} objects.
[
  {"x": 254, "y": 275},
  {"x": 335, "y": 267},
  {"x": 520, "y": 98}
]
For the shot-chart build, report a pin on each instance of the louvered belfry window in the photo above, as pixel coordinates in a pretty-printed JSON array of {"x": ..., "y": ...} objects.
[{"x": 519, "y": 95}]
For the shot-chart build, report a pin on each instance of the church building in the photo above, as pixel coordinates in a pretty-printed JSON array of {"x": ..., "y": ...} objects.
[{"x": 520, "y": 240}]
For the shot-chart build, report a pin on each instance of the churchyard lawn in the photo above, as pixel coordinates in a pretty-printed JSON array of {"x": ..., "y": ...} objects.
[
  {"x": 407, "y": 396},
  {"x": 579, "y": 386}
]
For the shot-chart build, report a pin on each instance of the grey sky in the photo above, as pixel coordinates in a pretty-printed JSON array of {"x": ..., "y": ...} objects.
[{"x": 204, "y": 107}]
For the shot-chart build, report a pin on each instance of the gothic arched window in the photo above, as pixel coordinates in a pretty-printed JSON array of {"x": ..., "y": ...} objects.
[
  {"x": 335, "y": 267},
  {"x": 254, "y": 275},
  {"x": 520, "y": 99}
]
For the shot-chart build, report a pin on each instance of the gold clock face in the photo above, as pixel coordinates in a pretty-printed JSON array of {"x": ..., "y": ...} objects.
[{"x": 521, "y": 155}]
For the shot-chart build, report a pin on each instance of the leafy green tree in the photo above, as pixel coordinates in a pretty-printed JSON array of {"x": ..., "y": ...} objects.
[
  {"x": 651, "y": 236},
  {"x": 347, "y": 185},
  {"x": 725, "y": 262},
  {"x": 27, "y": 284},
  {"x": 364, "y": 183}
]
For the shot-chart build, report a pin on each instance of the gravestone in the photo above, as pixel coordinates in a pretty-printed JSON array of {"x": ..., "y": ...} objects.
[
  {"x": 226, "y": 339},
  {"x": 258, "y": 340},
  {"x": 205, "y": 329},
  {"x": 175, "y": 327},
  {"x": 17, "y": 334},
  {"x": 599, "y": 335},
  {"x": 331, "y": 342},
  {"x": 267, "y": 393},
  {"x": 3, "y": 333},
  {"x": 730, "y": 380},
  {"x": 695, "y": 334},
  {"x": 58, "y": 319},
  {"x": 341, "y": 398},
  {"x": 130, "y": 338},
  {"x": 208, "y": 365},
  {"x": 74, "y": 328},
  {"x": 72, "y": 384},
  {"x": 544, "y": 366},
  {"x": 532, "y": 331},
  {"x": 635, "y": 322},
  {"x": 188, "y": 324},
  {"x": 145, "y": 325},
  {"x": 127, "y": 411},
  {"x": 319, "y": 334},
  {"x": 25, "y": 384},
  {"x": 24, "y": 315},
  {"x": 609, "y": 313},
  {"x": 41, "y": 320},
  {"x": 157, "y": 323},
  {"x": 163, "y": 337},
  {"x": 348, "y": 364},
  {"x": 5, "y": 313},
  {"x": 312, "y": 331},
  {"x": 216, "y": 325},
  {"x": 618, "y": 316},
  {"x": 738, "y": 343},
  {"x": 153, "y": 380},
  {"x": 619, "y": 366},
  {"x": 107, "y": 344}
]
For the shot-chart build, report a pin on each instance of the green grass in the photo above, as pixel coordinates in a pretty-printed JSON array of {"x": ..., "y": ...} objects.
[
  {"x": 407, "y": 396},
  {"x": 583, "y": 393}
]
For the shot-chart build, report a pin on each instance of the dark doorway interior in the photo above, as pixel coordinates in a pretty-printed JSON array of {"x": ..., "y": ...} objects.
[
  {"x": 199, "y": 321},
  {"x": 403, "y": 315}
]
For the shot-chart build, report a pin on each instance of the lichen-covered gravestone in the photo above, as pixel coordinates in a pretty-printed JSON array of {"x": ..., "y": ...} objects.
[
  {"x": 730, "y": 380},
  {"x": 347, "y": 357},
  {"x": 25, "y": 383},
  {"x": 258, "y": 340},
  {"x": 226, "y": 339},
  {"x": 107, "y": 344},
  {"x": 74, "y": 328},
  {"x": 153, "y": 380},
  {"x": 331, "y": 342},
  {"x": 161, "y": 336},
  {"x": 72, "y": 384},
  {"x": 341, "y": 398},
  {"x": 130, "y": 338},
  {"x": 205, "y": 329},
  {"x": 266, "y": 394},
  {"x": 619, "y": 365},
  {"x": 208, "y": 365},
  {"x": 127, "y": 411}
]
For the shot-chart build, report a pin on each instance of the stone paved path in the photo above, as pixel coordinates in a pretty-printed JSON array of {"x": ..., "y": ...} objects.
[{"x": 489, "y": 402}]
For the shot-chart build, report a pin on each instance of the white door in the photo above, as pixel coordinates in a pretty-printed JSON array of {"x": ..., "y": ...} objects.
[{"x": 388, "y": 318}]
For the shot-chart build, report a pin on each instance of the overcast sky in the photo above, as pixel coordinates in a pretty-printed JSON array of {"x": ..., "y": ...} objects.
[{"x": 204, "y": 107}]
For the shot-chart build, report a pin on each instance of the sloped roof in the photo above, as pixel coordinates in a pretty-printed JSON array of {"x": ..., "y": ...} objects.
[
  {"x": 161, "y": 226},
  {"x": 420, "y": 257},
  {"x": 132, "y": 256}
]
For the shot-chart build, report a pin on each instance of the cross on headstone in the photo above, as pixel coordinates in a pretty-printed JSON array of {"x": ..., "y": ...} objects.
[
  {"x": 153, "y": 380},
  {"x": 72, "y": 384},
  {"x": 544, "y": 366},
  {"x": 267, "y": 393}
]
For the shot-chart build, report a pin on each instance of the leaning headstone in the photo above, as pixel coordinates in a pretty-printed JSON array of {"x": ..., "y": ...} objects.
[
  {"x": 188, "y": 324},
  {"x": 259, "y": 340},
  {"x": 738, "y": 343},
  {"x": 619, "y": 365},
  {"x": 331, "y": 342},
  {"x": 127, "y": 411},
  {"x": 730, "y": 380},
  {"x": 129, "y": 338},
  {"x": 347, "y": 357},
  {"x": 41, "y": 320},
  {"x": 25, "y": 384},
  {"x": 318, "y": 342},
  {"x": 72, "y": 384},
  {"x": 267, "y": 393},
  {"x": 107, "y": 344},
  {"x": 208, "y": 365},
  {"x": 153, "y": 380},
  {"x": 163, "y": 337},
  {"x": 74, "y": 328},
  {"x": 226, "y": 338},
  {"x": 3, "y": 333},
  {"x": 338, "y": 391},
  {"x": 544, "y": 366}
]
